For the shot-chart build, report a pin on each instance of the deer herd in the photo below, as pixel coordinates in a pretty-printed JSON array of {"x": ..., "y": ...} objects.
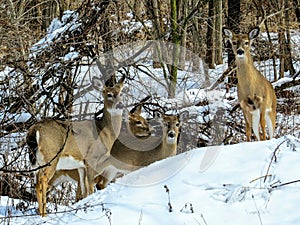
[{"x": 97, "y": 152}]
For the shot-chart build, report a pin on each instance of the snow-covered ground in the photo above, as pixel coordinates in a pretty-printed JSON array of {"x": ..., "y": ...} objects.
[{"x": 234, "y": 184}]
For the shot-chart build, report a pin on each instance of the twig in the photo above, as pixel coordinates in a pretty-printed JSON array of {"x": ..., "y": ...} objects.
[
  {"x": 191, "y": 209},
  {"x": 169, "y": 199},
  {"x": 275, "y": 159},
  {"x": 258, "y": 213},
  {"x": 203, "y": 219},
  {"x": 258, "y": 178},
  {"x": 227, "y": 73},
  {"x": 141, "y": 217},
  {"x": 283, "y": 184}
]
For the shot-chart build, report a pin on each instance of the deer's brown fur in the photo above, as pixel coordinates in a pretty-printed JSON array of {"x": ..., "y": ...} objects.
[
  {"x": 255, "y": 93},
  {"x": 67, "y": 145}
]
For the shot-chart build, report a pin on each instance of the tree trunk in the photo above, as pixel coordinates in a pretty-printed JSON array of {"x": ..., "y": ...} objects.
[
  {"x": 296, "y": 4},
  {"x": 196, "y": 45},
  {"x": 108, "y": 48},
  {"x": 184, "y": 12},
  {"x": 288, "y": 59},
  {"x": 209, "y": 58},
  {"x": 153, "y": 8},
  {"x": 176, "y": 49},
  {"x": 218, "y": 32},
  {"x": 233, "y": 22},
  {"x": 273, "y": 51},
  {"x": 281, "y": 39},
  {"x": 138, "y": 7}
]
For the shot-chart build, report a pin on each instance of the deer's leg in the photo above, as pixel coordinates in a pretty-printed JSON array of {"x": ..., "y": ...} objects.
[
  {"x": 90, "y": 180},
  {"x": 79, "y": 192},
  {"x": 43, "y": 178},
  {"x": 84, "y": 185},
  {"x": 248, "y": 130},
  {"x": 273, "y": 119},
  {"x": 263, "y": 116},
  {"x": 79, "y": 195},
  {"x": 255, "y": 123},
  {"x": 271, "y": 122},
  {"x": 39, "y": 193},
  {"x": 248, "y": 119},
  {"x": 100, "y": 182}
]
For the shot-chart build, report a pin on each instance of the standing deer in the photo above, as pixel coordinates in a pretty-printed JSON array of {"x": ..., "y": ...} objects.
[
  {"x": 129, "y": 154},
  {"x": 135, "y": 124},
  {"x": 255, "y": 93},
  {"x": 65, "y": 145}
]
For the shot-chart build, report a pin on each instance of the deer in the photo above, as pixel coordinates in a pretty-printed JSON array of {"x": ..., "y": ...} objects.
[
  {"x": 136, "y": 124},
  {"x": 255, "y": 93},
  {"x": 56, "y": 145},
  {"x": 129, "y": 154}
]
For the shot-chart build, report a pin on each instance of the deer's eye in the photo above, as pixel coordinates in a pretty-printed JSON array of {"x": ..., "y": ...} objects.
[
  {"x": 234, "y": 42},
  {"x": 138, "y": 122},
  {"x": 177, "y": 124},
  {"x": 246, "y": 42}
]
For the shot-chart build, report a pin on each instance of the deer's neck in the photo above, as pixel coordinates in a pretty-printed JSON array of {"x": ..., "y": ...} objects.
[
  {"x": 141, "y": 152},
  {"x": 109, "y": 127},
  {"x": 168, "y": 149},
  {"x": 247, "y": 78}
]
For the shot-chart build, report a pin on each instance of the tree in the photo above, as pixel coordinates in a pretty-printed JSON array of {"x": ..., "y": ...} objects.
[
  {"x": 218, "y": 10},
  {"x": 176, "y": 40},
  {"x": 233, "y": 22},
  {"x": 214, "y": 34},
  {"x": 210, "y": 56}
]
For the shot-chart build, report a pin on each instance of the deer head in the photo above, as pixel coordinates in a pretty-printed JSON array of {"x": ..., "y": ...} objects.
[
  {"x": 112, "y": 97},
  {"x": 241, "y": 43},
  {"x": 138, "y": 125}
]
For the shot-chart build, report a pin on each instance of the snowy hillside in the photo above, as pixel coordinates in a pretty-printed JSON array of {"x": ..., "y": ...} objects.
[{"x": 246, "y": 183}]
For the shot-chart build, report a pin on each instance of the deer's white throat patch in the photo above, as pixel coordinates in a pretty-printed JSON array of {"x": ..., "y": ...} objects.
[
  {"x": 171, "y": 140},
  {"x": 115, "y": 112}
]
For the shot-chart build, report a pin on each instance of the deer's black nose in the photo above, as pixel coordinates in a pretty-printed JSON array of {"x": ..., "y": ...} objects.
[
  {"x": 240, "y": 52},
  {"x": 171, "y": 134}
]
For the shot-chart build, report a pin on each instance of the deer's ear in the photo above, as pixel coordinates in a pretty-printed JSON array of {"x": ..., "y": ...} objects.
[
  {"x": 184, "y": 116},
  {"x": 157, "y": 114},
  {"x": 228, "y": 34},
  {"x": 253, "y": 33},
  {"x": 137, "y": 110},
  {"x": 121, "y": 81},
  {"x": 97, "y": 83}
]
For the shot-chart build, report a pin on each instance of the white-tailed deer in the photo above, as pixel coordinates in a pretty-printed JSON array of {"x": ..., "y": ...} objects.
[
  {"x": 67, "y": 145},
  {"x": 129, "y": 153},
  {"x": 135, "y": 124},
  {"x": 255, "y": 93}
]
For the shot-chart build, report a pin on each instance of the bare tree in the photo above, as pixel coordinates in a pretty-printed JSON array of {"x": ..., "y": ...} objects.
[
  {"x": 233, "y": 21},
  {"x": 210, "y": 56},
  {"x": 218, "y": 10}
]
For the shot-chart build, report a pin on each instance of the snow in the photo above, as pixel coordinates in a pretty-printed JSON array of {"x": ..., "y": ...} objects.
[
  {"x": 233, "y": 184},
  {"x": 55, "y": 31}
]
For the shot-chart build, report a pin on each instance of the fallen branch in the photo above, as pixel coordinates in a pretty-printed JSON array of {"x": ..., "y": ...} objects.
[
  {"x": 284, "y": 184},
  {"x": 226, "y": 73},
  {"x": 288, "y": 84}
]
